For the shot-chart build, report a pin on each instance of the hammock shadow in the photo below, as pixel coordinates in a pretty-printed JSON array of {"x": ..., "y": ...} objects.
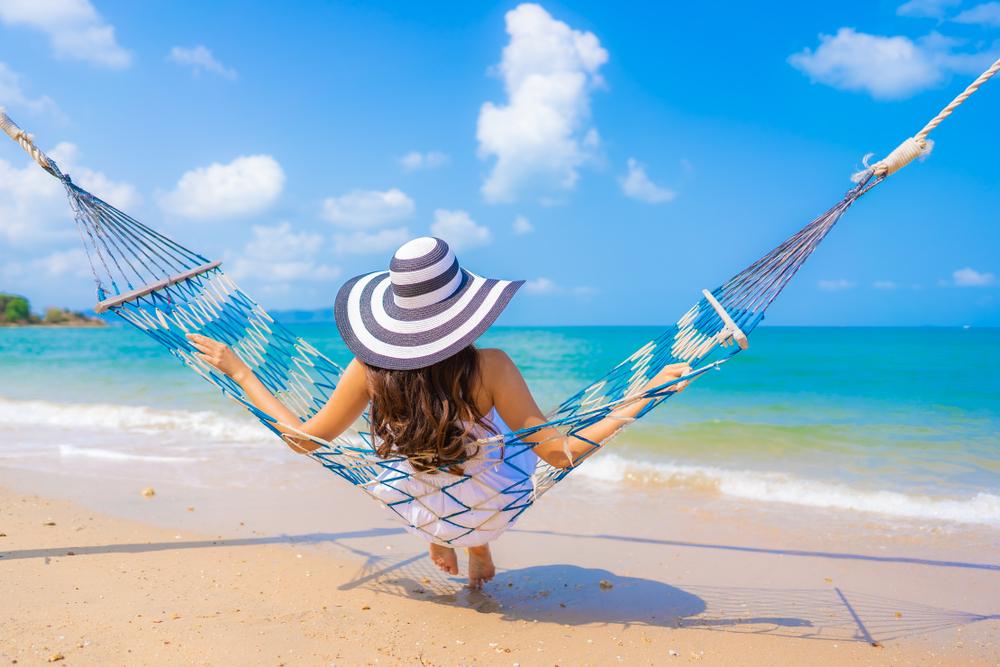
[
  {"x": 831, "y": 614},
  {"x": 148, "y": 547},
  {"x": 802, "y": 553},
  {"x": 565, "y": 594},
  {"x": 572, "y": 595}
]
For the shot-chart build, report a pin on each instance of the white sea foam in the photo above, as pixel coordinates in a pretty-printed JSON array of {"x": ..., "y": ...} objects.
[
  {"x": 199, "y": 426},
  {"x": 69, "y": 451},
  {"x": 136, "y": 419},
  {"x": 981, "y": 508}
]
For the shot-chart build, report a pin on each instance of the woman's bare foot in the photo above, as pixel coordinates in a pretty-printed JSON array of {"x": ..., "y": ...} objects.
[
  {"x": 481, "y": 568},
  {"x": 445, "y": 558}
]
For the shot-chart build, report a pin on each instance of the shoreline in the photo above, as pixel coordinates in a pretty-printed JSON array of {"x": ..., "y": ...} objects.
[
  {"x": 325, "y": 572},
  {"x": 212, "y": 447}
]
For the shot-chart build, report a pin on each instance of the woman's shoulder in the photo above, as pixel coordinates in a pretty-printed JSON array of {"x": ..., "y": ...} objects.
[
  {"x": 493, "y": 359},
  {"x": 497, "y": 371}
]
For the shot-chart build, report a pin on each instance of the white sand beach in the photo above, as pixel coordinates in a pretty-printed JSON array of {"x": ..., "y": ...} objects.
[{"x": 318, "y": 574}]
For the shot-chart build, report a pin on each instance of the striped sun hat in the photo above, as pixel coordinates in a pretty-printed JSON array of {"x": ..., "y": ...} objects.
[{"x": 425, "y": 308}]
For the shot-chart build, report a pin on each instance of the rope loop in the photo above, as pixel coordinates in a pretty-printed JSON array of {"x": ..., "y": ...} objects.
[
  {"x": 27, "y": 142},
  {"x": 919, "y": 145}
]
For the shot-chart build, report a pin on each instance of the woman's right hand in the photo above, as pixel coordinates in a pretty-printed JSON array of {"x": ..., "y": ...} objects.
[{"x": 220, "y": 356}]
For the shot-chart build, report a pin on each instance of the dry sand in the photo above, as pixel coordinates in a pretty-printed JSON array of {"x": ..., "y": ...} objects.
[{"x": 704, "y": 582}]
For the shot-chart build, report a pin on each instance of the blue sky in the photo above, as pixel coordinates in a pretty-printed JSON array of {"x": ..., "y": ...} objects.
[{"x": 619, "y": 156}]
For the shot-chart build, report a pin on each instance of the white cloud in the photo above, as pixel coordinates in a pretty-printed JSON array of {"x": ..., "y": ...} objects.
[
  {"x": 538, "y": 137},
  {"x": 934, "y": 9},
  {"x": 62, "y": 263},
  {"x": 988, "y": 13},
  {"x": 459, "y": 230},
  {"x": 74, "y": 28},
  {"x": 884, "y": 284},
  {"x": 361, "y": 209},
  {"x": 364, "y": 243},
  {"x": 636, "y": 184},
  {"x": 13, "y": 96},
  {"x": 415, "y": 160},
  {"x": 885, "y": 67},
  {"x": 33, "y": 204},
  {"x": 836, "y": 285},
  {"x": 547, "y": 286},
  {"x": 119, "y": 194},
  {"x": 279, "y": 255},
  {"x": 969, "y": 277},
  {"x": 72, "y": 263},
  {"x": 541, "y": 285},
  {"x": 200, "y": 59},
  {"x": 523, "y": 226},
  {"x": 245, "y": 186}
]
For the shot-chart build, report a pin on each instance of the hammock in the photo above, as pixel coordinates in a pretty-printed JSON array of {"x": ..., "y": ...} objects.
[{"x": 166, "y": 291}]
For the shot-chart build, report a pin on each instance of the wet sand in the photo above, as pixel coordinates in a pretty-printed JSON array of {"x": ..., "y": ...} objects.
[{"x": 98, "y": 573}]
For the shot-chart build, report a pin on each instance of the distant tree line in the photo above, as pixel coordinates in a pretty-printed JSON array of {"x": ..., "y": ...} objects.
[{"x": 16, "y": 309}]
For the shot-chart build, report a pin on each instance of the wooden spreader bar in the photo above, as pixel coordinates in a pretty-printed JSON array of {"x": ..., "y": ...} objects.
[{"x": 132, "y": 295}]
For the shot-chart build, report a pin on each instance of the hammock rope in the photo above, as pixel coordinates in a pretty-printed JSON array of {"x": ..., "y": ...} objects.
[
  {"x": 167, "y": 291},
  {"x": 919, "y": 144}
]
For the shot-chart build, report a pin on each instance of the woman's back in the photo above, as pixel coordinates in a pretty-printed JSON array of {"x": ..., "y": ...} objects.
[{"x": 466, "y": 508}]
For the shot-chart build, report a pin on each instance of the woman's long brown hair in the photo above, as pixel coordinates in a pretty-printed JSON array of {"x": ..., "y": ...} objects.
[{"x": 427, "y": 414}]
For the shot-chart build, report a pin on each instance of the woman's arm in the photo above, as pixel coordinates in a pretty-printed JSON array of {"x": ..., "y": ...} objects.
[
  {"x": 344, "y": 406},
  {"x": 518, "y": 409}
]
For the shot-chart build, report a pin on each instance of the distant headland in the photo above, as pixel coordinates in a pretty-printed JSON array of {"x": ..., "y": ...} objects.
[{"x": 15, "y": 311}]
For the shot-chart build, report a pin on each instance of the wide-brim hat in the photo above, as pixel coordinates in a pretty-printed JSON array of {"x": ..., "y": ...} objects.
[{"x": 425, "y": 308}]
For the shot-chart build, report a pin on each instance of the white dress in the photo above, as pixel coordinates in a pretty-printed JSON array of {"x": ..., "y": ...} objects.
[{"x": 461, "y": 510}]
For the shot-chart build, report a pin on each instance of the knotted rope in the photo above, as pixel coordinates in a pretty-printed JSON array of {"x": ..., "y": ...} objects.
[
  {"x": 919, "y": 144},
  {"x": 27, "y": 142}
]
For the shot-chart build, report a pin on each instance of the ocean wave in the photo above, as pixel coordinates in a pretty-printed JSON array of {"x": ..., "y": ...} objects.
[
  {"x": 136, "y": 419},
  {"x": 760, "y": 486},
  {"x": 981, "y": 508}
]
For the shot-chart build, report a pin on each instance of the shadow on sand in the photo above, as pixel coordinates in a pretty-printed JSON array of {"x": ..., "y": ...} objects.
[
  {"x": 572, "y": 595},
  {"x": 833, "y": 555},
  {"x": 568, "y": 594}
]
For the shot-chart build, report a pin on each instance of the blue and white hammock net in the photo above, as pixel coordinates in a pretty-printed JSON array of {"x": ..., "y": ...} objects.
[{"x": 166, "y": 291}]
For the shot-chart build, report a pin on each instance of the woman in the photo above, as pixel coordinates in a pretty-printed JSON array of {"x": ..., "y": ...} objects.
[{"x": 432, "y": 395}]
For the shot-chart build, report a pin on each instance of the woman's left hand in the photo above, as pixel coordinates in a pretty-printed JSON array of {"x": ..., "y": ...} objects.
[
  {"x": 669, "y": 373},
  {"x": 219, "y": 356}
]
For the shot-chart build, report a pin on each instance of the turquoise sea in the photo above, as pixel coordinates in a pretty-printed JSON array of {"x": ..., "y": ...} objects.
[{"x": 898, "y": 422}]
